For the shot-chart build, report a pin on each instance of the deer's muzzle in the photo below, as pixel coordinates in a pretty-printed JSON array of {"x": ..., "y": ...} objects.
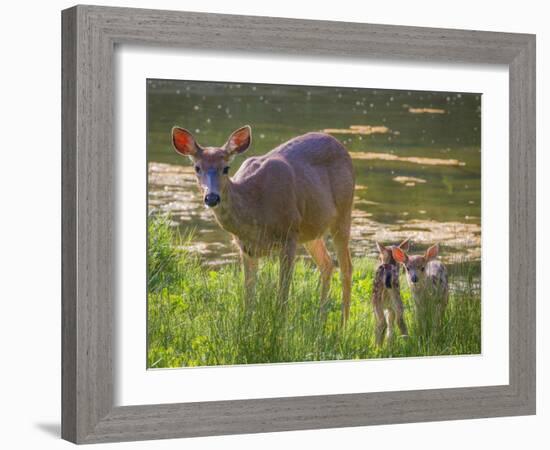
[{"x": 212, "y": 197}]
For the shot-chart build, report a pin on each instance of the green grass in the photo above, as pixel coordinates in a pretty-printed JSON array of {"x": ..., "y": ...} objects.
[{"x": 196, "y": 315}]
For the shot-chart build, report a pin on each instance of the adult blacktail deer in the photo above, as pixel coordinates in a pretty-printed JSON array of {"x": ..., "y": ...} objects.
[{"x": 295, "y": 194}]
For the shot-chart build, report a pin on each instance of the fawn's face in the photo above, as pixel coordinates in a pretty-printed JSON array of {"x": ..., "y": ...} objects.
[
  {"x": 415, "y": 266},
  {"x": 211, "y": 163}
]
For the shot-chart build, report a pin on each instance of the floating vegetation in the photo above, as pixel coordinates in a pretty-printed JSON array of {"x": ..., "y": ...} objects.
[
  {"x": 460, "y": 240},
  {"x": 161, "y": 174},
  {"x": 362, "y": 201},
  {"x": 410, "y": 159},
  {"x": 363, "y": 130},
  {"x": 426, "y": 111},
  {"x": 409, "y": 181}
]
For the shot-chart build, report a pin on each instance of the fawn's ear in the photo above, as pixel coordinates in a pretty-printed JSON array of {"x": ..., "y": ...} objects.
[
  {"x": 184, "y": 142},
  {"x": 384, "y": 253},
  {"x": 432, "y": 252},
  {"x": 239, "y": 141},
  {"x": 405, "y": 245},
  {"x": 399, "y": 255}
]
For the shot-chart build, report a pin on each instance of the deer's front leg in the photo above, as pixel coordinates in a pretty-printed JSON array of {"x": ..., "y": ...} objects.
[
  {"x": 250, "y": 269},
  {"x": 286, "y": 263}
]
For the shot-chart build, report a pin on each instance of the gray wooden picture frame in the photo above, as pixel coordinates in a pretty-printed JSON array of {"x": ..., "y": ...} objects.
[{"x": 90, "y": 34}]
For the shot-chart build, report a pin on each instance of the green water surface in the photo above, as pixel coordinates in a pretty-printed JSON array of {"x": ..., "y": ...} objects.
[{"x": 277, "y": 113}]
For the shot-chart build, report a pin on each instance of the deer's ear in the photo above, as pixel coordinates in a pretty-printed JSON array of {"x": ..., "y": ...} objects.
[
  {"x": 384, "y": 253},
  {"x": 399, "y": 255},
  {"x": 184, "y": 142},
  {"x": 432, "y": 252},
  {"x": 405, "y": 245},
  {"x": 239, "y": 141}
]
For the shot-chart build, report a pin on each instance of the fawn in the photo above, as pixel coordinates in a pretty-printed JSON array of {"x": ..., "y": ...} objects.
[
  {"x": 428, "y": 281},
  {"x": 386, "y": 296}
]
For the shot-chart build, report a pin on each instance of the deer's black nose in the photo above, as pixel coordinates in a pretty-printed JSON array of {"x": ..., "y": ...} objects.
[
  {"x": 414, "y": 278},
  {"x": 211, "y": 199}
]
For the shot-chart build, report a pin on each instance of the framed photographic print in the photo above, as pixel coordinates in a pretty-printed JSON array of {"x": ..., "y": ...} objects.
[{"x": 267, "y": 230}]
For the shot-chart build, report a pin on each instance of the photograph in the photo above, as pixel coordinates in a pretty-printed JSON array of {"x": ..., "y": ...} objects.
[{"x": 292, "y": 224}]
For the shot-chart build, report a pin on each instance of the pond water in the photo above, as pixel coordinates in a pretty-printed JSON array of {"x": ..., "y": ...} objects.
[{"x": 417, "y": 157}]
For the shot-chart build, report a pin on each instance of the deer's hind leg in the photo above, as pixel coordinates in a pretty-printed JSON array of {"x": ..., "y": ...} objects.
[
  {"x": 318, "y": 251},
  {"x": 390, "y": 320},
  {"x": 398, "y": 308},
  {"x": 341, "y": 236}
]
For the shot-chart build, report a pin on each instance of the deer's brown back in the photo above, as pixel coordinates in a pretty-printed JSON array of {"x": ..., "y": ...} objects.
[{"x": 304, "y": 186}]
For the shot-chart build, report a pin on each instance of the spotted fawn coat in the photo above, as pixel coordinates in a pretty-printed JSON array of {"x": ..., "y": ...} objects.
[{"x": 386, "y": 297}]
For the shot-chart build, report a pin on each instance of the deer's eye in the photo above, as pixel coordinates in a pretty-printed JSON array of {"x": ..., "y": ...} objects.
[
  {"x": 226, "y": 170},
  {"x": 197, "y": 169}
]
